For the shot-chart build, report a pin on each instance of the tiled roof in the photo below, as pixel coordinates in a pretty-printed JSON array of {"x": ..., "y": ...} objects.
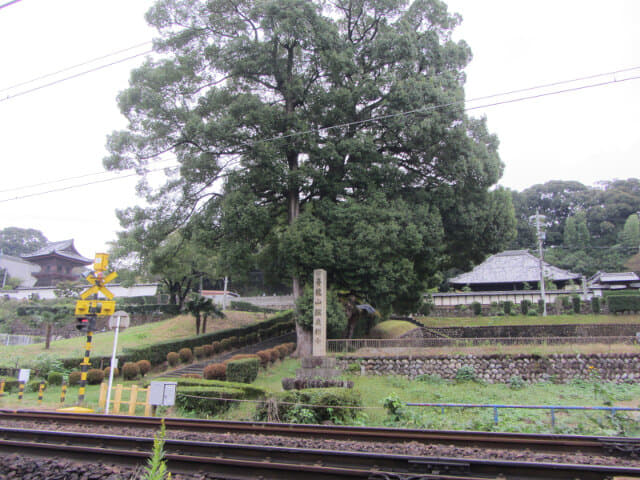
[
  {"x": 64, "y": 249},
  {"x": 607, "y": 277},
  {"x": 512, "y": 266}
]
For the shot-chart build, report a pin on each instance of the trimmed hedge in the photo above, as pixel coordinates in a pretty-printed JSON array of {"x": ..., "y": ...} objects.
[
  {"x": 173, "y": 359},
  {"x": 215, "y": 371},
  {"x": 319, "y": 405},
  {"x": 206, "y": 400},
  {"x": 304, "y": 383},
  {"x": 623, "y": 303},
  {"x": 244, "y": 370},
  {"x": 250, "y": 307},
  {"x": 10, "y": 384},
  {"x": 55, "y": 378},
  {"x": 153, "y": 308},
  {"x": 95, "y": 376},
  {"x": 278, "y": 324},
  {"x": 250, "y": 391}
]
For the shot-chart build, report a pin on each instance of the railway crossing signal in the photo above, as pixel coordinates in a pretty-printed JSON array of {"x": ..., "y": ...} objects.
[{"x": 89, "y": 309}]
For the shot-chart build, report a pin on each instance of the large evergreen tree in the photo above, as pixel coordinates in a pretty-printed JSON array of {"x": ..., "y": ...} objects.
[{"x": 325, "y": 109}]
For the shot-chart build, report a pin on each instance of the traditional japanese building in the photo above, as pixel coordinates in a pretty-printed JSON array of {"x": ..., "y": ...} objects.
[
  {"x": 512, "y": 270},
  {"x": 614, "y": 281},
  {"x": 58, "y": 261}
]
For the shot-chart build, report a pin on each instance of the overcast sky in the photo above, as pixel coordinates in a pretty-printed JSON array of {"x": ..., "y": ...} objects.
[{"x": 60, "y": 131}]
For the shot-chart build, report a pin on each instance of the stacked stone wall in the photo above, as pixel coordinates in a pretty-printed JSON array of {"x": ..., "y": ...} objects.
[
  {"x": 558, "y": 368},
  {"x": 510, "y": 331}
]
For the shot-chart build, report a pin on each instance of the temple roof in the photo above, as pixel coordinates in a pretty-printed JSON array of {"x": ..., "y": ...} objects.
[
  {"x": 64, "y": 249},
  {"x": 512, "y": 266}
]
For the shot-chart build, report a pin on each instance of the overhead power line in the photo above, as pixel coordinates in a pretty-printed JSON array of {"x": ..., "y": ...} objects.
[
  {"x": 80, "y": 74},
  {"x": 373, "y": 119},
  {"x": 66, "y": 69},
  {"x": 9, "y": 3}
]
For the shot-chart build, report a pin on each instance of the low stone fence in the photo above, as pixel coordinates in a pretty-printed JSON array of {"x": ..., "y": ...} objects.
[{"x": 558, "y": 368}]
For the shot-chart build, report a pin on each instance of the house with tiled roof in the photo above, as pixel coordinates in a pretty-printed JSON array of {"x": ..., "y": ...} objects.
[
  {"x": 613, "y": 281},
  {"x": 58, "y": 261},
  {"x": 512, "y": 270}
]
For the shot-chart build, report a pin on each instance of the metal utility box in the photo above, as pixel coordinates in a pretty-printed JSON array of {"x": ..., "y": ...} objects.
[{"x": 162, "y": 393}]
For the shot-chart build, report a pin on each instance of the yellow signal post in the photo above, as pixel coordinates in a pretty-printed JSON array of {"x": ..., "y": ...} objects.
[{"x": 92, "y": 309}]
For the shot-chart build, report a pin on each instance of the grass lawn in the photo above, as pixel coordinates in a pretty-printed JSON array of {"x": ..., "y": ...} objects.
[
  {"x": 178, "y": 327},
  {"x": 391, "y": 329},
  {"x": 526, "y": 320}
]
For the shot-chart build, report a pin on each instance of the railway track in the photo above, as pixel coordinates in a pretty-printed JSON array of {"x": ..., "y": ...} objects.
[
  {"x": 244, "y": 462},
  {"x": 539, "y": 442}
]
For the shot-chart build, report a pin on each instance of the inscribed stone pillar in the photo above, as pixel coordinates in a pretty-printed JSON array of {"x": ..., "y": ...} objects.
[{"x": 319, "y": 313}]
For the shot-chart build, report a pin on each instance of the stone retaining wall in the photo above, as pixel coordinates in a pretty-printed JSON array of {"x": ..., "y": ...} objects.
[{"x": 559, "y": 368}]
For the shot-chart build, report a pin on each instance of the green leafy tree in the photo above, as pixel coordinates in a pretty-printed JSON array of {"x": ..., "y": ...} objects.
[
  {"x": 295, "y": 103},
  {"x": 17, "y": 241},
  {"x": 576, "y": 233},
  {"x": 202, "y": 308},
  {"x": 630, "y": 236}
]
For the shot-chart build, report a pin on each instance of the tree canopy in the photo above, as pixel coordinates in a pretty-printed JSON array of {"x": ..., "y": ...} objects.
[
  {"x": 310, "y": 114},
  {"x": 18, "y": 241}
]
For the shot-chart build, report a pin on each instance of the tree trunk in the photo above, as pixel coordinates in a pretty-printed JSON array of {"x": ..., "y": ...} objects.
[
  {"x": 304, "y": 346},
  {"x": 197, "y": 324},
  {"x": 204, "y": 323},
  {"x": 47, "y": 343}
]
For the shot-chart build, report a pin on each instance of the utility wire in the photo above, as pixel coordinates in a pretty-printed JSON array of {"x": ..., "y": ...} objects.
[
  {"x": 71, "y": 187},
  {"x": 395, "y": 115},
  {"x": 11, "y": 87},
  {"x": 40, "y": 87},
  {"x": 537, "y": 87},
  {"x": 8, "y": 3}
]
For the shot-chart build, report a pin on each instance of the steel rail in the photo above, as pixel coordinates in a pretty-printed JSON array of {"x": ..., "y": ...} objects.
[
  {"x": 269, "y": 462},
  {"x": 538, "y": 442}
]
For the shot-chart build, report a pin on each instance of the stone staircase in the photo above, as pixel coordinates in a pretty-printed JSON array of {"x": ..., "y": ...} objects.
[{"x": 198, "y": 367}]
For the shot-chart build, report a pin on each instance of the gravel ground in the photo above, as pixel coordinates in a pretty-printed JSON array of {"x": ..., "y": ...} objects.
[{"x": 14, "y": 467}]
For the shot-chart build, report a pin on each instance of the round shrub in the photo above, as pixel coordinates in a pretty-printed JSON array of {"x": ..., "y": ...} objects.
[
  {"x": 130, "y": 371},
  {"x": 173, "y": 358},
  {"x": 233, "y": 341},
  {"x": 241, "y": 356},
  {"x": 466, "y": 373},
  {"x": 55, "y": 378},
  {"x": 144, "y": 366},
  {"x": 477, "y": 308},
  {"x": 199, "y": 352},
  {"x": 95, "y": 376},
  {"x": 74, "y": 378},
  {"x": 264, "y": 357},
  {"x": 291, "y": 347},
  {"x": 186, "y": 356},
  {"x": 524, "y": 306},
  {"x": 575, "y": 300},
  {"x": 107, "y": 372},
  {"x": 275, "y": 355},
  {"x": 208, "y": 350},
  {"x": 215, "y": 371},
  {"x": 217, "y": 346},
  {"x": 226, "y": 344},
  {"x": 282, "y": 351}
]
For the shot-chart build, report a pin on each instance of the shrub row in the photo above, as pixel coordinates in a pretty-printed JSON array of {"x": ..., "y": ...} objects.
[
  {"x": 277, "y": 325},
  {"x": 243, "y": 370},
  {"x": 222, "y": 340},
  {"x": 623, "y": 303},
  {"x": 152, "y": 308},
  {"x": 250, "y": 307}
]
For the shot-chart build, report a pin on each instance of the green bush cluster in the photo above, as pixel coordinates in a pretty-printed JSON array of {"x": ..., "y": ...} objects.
[
  {"x": 524, "y": 306},
  {"x": 130, "y": 371},
  {"x": 315, "y": 405},
  {"x": 244, "y": 370},
  {"x": 466, "y": 373},
  {"x": 623, "y": 303},
  {"x": 55, "y": 378},
  {"x": 201, "y": 395},
  {"x": 507, "y": 307},
  {"x": 477, "y": 308}
]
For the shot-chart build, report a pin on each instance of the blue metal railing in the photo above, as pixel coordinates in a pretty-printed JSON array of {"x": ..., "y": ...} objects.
[{"x": 495, "y": 407}]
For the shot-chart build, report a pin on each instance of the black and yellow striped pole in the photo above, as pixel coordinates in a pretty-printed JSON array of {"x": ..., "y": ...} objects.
[
  {"x": 41, "y": 392},
  {"x": 84, "y": 366},
  {"x": 63, "y": 391},
  {"x": 1, "y": 388},
  {"x": 21, "y": 391}
]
